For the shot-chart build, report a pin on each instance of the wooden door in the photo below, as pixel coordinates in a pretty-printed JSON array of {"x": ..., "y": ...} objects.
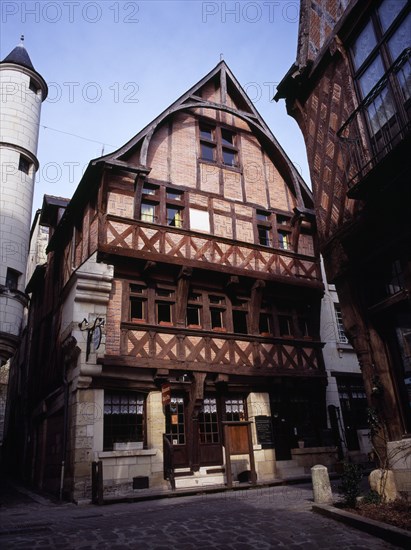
[
  {"x": 176, "y": 430},
  {"x": 209, "y": 433}
]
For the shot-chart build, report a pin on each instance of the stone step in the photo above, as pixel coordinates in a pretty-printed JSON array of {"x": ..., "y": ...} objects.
[
  {"x": 199, "y": 479},
  {"x": 289, "y": 468}
]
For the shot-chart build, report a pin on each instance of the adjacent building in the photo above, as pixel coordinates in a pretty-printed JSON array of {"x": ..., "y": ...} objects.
[
  {"x": 180, "y": 298},
  {"x": 350, "y": 92},
  {"x": 22, "y": 91}
]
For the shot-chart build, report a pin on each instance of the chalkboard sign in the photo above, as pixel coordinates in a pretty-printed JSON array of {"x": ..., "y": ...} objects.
[{"x": 264, "y": 427}]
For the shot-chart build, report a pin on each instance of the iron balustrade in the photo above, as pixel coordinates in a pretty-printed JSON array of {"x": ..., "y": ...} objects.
[{"x": 379, "y": 123}]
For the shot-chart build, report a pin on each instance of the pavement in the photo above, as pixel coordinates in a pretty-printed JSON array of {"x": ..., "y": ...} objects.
[{"x": 261, "y": 518}]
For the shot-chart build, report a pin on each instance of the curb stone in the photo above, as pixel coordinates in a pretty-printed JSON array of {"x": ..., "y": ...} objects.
[{"x": 390, "y": 533}]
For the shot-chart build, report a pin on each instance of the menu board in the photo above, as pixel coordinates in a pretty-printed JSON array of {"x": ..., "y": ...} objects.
[{"x": 264, "y": 427}]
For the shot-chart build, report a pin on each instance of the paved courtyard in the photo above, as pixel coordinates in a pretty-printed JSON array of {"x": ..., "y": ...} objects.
[{"x": 274, "y": 517}]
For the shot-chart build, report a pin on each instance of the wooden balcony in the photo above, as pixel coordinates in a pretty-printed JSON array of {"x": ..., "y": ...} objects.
[
  {"x": 379, "y": 129},
  {"x": 137, "y": 239},
  {"x": 177, "y": 349}
]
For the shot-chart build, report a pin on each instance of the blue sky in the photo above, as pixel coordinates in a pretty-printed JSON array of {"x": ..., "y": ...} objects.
[{"x": 112, "y": 66}]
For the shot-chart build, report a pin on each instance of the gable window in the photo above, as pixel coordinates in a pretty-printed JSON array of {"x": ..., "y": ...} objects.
[
  {"x": 164, "y": 205},
  {"x": 123, "y": 418},
  {"x": 174, "y": 216},
  {"x": 138, "y": 303},
  {"x": 218, "y": 145},
  {"x": 264, "y": 227},
  {"x": 148, "y": 212}
]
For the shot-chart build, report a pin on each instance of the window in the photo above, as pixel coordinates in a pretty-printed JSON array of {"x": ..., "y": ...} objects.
[
  {"x": 208, "y": 421},
  {"x": 194, "y": 311},
  {"x": 377, "y": 47},
  {"x": 165, "y": 300},
  {"x": 123, "y": 418},
  {"x": 265, "y": 222},
  {"x": 218, "y": 144},
  {"x": 285, "y": 324},
  {"x": 217, "y": 312},
  {"x": 138, "y": 303},
  {"x": 33, "y": 86},
  {"x": 174, "y": 216},
  {"x": 175, "y": 425},
  {"x": 12, "y": 279},
  {"x": 148, "y": 212},
  {"x": 264, "y": 227},
  {"x": 240, "y": 314},
  {"x": 162, "y": 205},
  {"x": 340, "y": 327},
  {"x": 283, "y": 240},
  {"x": 235, "y": 410},
  {"x": 24, "y": 165},
  {"x": 396, "y": 283}
]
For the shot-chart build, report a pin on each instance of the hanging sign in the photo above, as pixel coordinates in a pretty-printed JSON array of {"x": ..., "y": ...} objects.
[{"x": 165, "y": 394}]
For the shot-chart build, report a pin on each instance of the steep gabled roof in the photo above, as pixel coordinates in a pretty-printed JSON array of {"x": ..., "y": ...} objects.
[
  {"x": 244, "y": 109},
  {"x": 192, "y": 99}
]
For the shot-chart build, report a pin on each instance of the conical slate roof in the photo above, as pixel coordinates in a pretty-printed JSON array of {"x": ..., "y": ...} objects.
[{"x": 19, "y": 56}]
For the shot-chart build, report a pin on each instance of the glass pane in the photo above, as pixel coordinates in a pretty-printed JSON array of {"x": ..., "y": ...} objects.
[
  {"x": 229, "y": 157},
  {"x": 150, "y": 189},
  {"x": 388, "y": 11},
  {"x": 401, "y": 39},
  {"x": 216, "y": 318},
  {"x": 364, "y": 45},
  {"x": 240, "y": 322},
  {"x": 174, "y": 195},
  {"x": 193, "y": 316},
  {"x": 264, "y": 236},
  {"x": 380, "y": 111},
  {"x": 263, "y": 216},
  {"x": 207, "y": 152},
  {"x": 136, "y": 309},
  {"x": 285, "y": 325},
  {"x": 216, "y": 299},
  {"x": 207, "y": 133},
  {"x": 174, "y": 217},
  {"x": 227, "y": 137},
  {"x": 283, "y": 240},
  {"x": 265, "y": 323},
  {"x": 164, "y": 313},
  {"x": 148, "y": 212},
  {"x": 371, "y": 76}
]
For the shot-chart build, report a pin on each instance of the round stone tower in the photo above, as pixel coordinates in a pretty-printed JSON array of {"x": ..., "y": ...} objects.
[{"x": 22, "y": 91}]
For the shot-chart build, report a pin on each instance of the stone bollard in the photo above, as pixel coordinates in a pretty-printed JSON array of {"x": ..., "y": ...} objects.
[{"x": 321, "y": 485}]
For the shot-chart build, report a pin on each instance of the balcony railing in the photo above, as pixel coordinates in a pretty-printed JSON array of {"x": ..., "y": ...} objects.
[{"x": 380, "y": 122}]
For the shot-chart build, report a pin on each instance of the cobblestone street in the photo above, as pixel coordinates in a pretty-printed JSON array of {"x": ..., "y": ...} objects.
[{"x": 274, "y": 517}]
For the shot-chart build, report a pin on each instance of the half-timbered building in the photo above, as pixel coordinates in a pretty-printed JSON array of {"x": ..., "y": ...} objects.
[
  {"x": 350, "y": 93},
  {"x": 185, "y": 295}
]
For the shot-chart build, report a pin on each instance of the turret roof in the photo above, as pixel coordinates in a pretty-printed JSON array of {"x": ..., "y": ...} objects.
[{"x": 19, "y": 56}]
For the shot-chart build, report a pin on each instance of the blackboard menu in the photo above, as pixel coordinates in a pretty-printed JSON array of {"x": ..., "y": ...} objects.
[{"x": 264, "y": 427}]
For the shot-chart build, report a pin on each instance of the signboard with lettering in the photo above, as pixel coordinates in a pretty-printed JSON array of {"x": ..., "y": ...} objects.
[
  {"x": 265, "y": 435},
  {"x": 165, "y": 394}
]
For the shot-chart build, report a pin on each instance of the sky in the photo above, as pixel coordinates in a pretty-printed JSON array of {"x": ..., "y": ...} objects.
[{"x": 112, "y": 66}]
